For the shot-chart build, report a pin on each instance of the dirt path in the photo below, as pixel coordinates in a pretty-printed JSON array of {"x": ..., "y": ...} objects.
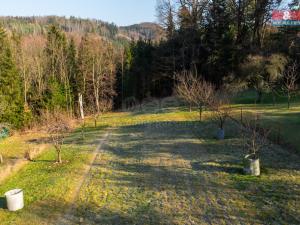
[
  {"x": 161, "y": 173},
  {"x": 69, "y": 217}
]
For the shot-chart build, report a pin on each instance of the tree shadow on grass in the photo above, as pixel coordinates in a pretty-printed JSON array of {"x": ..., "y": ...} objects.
[
  {"x": 43, "y": 161},
  {"x": 135, "y": 143},
  {"x": 54, "y": 212},
  {"x": 42, "y": 140},
  {"x": 143, "y": 213},
  {"x": 91, "y": 137},
  {"x": 191, "y": 140},
  {"x": 217, "y": 167},
  {"x": 155, "y": 178},
  {"x": 278, "y": 199},
  {"x": 206, "y": 157}
]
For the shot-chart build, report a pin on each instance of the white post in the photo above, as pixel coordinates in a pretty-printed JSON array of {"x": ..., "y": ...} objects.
[{"x": 81, "y": 106}]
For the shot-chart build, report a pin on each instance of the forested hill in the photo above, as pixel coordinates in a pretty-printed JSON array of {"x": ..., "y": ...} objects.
[
  {"x": 150, "y": 31},
  {"x": 51, "y": 61},
  {"x": 39, "y": 25}
]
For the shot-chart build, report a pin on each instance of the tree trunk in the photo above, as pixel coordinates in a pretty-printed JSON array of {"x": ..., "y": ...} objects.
[
  {"x": 97, "y": 104},
  {"x": 80, "y": 100},
  {"x": 242, "y": 119},
  {"x": 289, "y": 101},
  {"x": 59, "y": 156},
  {"x": 200, "y": 113},
  {"x": 273, "y": 98},
  {"x": 82, "y": 132},
  {"x": 83, "y": 129},
  {"x": 25, "y": 93},
  {"x": 72, "y": 105},
  {"x": 239, "y": 23},
  {"x": 259, "y": 96},
  {"x": 160, "y": 103},
  {"x": 222, "y": 123},
  {"x": 95, "y": 121},
  {"x": 1, "y": 159}
]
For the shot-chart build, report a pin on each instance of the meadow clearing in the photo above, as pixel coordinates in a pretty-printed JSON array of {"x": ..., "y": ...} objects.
[{"x": 159, "y": 166}]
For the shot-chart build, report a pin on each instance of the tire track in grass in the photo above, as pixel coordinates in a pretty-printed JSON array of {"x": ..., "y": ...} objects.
[
  {"x": 216, "y": 204},
  {"x": 162, "y": 195},
  {"x": 69, "y": 216}
]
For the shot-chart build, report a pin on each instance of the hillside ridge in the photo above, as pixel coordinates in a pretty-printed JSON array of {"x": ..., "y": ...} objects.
[{"x": 38, "y": 25}]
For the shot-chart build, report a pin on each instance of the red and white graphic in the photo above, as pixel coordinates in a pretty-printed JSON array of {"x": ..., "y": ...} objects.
[{"x": 279, "y": 15}]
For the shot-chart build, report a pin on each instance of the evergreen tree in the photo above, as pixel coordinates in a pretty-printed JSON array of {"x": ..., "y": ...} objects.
[
  {"x": 139, "y": 74},
  {"x": 170, "y": 24},
  {"x": 57, "y": 94},
  {"x": 165, "y": 11},
  {"x": 220, "y": 41},
  {"x": 12, "y": 105},
  {"x": 72, "y": 70}
]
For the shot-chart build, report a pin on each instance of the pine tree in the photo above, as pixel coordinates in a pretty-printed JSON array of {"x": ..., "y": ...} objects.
[
  {"x": 12, "y": 107},
  {"x": 165, "y": 10},
  {"x": 170, "y": 24},
  {"x": 220, "y": 40},
  {"x": 57, "y": 94},
  {"x": 72, "y": 70}
]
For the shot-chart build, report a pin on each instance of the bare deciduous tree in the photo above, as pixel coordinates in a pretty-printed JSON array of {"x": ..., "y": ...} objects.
[
  {"x": 58, "y": 126},
  {"x": 98, "y": 70},
  {"x": 166, "y": 14},
  {"x": 36, "y": 56},
  {"x": 202, "y": 95},
  {"x": 219, "y": 104},
  {"x": 194, "y": 90},
  {"x": 291, "y": 77},
  {"x": 255, "y": 136},
  {"x": 186, "y": 87}
]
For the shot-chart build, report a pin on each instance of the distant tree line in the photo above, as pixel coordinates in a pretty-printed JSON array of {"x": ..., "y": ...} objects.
[
  {"x": 48, "y": 72},
  {"x": 226, "y": 42},
  {"x": 39, "y": 25},
  {"x": 47, "y": 62}
]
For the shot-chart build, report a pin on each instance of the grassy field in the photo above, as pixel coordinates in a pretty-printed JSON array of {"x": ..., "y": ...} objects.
[
  {"x": 14, "y": 147},
  {"x": 283, "y": 121},
  {"x": 157, "y": 166},
  {"x": 49, "y": 187}
]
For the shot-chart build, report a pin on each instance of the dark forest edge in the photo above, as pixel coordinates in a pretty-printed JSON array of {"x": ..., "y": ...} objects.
[{"x": 47, "y": 62}]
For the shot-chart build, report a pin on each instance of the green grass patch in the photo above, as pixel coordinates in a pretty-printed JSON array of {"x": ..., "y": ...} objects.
[{"x": 159, "y": 166}]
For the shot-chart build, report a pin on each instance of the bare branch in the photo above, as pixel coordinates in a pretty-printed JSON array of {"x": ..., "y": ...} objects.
[
  {"x": 255, "y": 136},
  {"x": 58, "y": 126},
  {"x": 291, "y": 76}
]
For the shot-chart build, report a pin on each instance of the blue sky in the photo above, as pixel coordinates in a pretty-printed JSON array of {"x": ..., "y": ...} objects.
[{"x": 121, "y": 12}]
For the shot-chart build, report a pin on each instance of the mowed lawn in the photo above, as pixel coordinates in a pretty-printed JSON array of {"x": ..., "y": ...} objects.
[
  {"x": 49, "y": 187},
  {"x": 283, "y": 122},
  {"x": 157, "y": 166},
  {"x": 164, "y": 168}
]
